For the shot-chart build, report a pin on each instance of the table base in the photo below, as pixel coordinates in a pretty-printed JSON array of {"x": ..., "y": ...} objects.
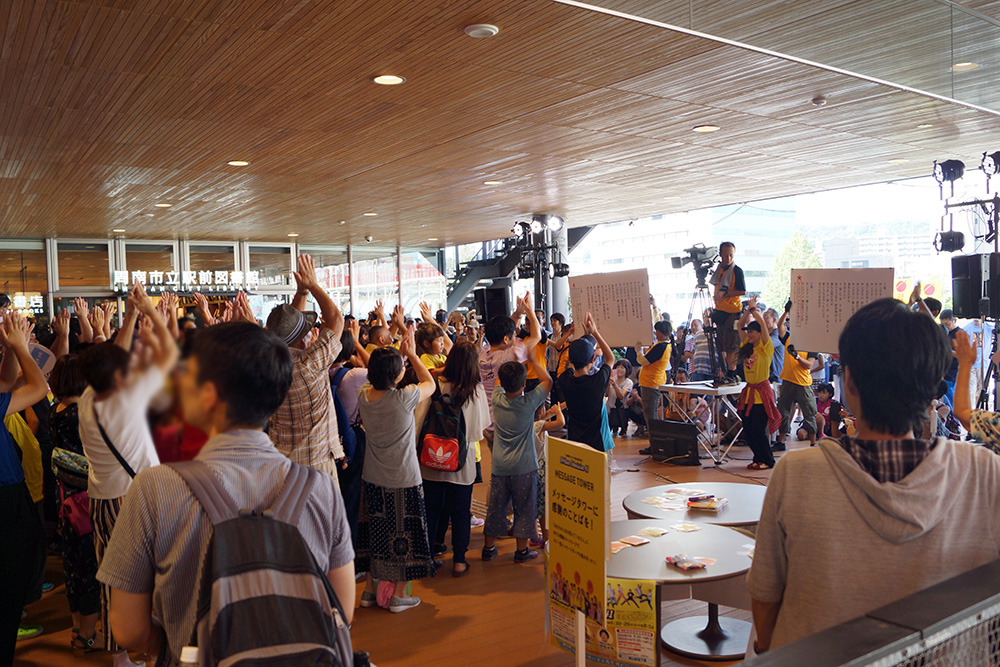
[{"x": 707, "y": 637}]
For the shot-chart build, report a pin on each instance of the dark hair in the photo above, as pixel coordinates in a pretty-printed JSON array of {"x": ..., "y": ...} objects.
[
  {"x": 250, "y": 367},
  {"x": 426, "y": 334},
  {"x": 346, "y": 346},
  {"x": 4, "y": 300},
  {"x": 441, "y": 316},
  {"x": 726, "y": 244},
  {"x": 664, "y": 327},
  {"x": 462, "y": 371},
  {"x": 374, "y": 332},
  {"x": 754, "y": 326},
  {"x": 384, "y": 367},
  {"x": 896, "y": 358},
  {"x": 827, "y": 387},
  {"x": 512, "y": 376},
  {"x": 498, "y": 328},
  {"x": 947, "y": 314},
  {"x": 558, "y": 317},
  {"x": 626, "y": 364},
  {"x": 746, "y": 351},
  {"x": 66, "y": 379},
  {"x": 933, "y": 305},
  {"x": 100, "y": 363}
]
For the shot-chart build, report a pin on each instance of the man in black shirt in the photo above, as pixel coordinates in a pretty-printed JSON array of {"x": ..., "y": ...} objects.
[
  {"x": 950, "y": 325},
  {"x": 586, "y": 412}
]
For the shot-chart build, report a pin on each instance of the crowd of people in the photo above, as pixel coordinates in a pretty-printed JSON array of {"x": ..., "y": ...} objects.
[{"x": 382, "y": 422}]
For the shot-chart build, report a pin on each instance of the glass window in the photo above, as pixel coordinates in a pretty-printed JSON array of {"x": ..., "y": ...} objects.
[
  {"x": 82, "y": 264},
  {"x": 209, "y": 257},
  {"x": 420, "y": 280},
  {"x": 150, "y": 262},
  {"x": 272, "y": 263},
  {"x": 375, "y": 278},
  {"x": 333, "y": 272},
  {"x": 24, "y": 277}
]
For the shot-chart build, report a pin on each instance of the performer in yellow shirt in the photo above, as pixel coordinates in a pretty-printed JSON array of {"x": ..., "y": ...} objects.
[
  {"x": 729, "y": 287},
  {"x": 756, "y": 405}
]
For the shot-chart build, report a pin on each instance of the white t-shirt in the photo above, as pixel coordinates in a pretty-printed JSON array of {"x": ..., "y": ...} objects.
[
  {"x": 491, "y": 360},
  {"x": 123, "y": 416},
  {"x": 348, "y": 392},
  {"x": 612, "y": 397}
]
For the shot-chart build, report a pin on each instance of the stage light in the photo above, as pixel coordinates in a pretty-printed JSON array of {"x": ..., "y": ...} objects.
[
  {"x": 949, "y": 241},
  {"x": 558, "y": 270},
  {"x": 524, "y": 271},
  {"x": 552, "y": 222},
  {"x": 536, "y": 225},
  {"x": 948, "y": 171},
  {"x": 517, "y": 230},
  {"x": 991, "y": 163}
]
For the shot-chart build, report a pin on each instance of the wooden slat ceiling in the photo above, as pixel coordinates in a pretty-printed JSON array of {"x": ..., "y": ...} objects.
[{"x": 108, "y": 107}]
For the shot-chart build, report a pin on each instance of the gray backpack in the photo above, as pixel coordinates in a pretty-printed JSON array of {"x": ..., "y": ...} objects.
[{"x": 263, "y": 599}]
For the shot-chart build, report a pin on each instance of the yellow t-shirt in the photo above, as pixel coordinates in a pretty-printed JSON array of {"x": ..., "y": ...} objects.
[
  {"x": 758, "y": 367},
  {"x": 31, "y": 454},
  {"x": 794, "y": 372},
  {"x": 563, "y": 360},
  {"x": 655, "y": 373},
  {"x": 539, "y": 354},
  {"x": 432, "y": 361}
]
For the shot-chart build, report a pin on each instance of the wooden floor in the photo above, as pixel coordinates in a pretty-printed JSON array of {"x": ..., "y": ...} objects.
[{"x": 492, "y": 616}]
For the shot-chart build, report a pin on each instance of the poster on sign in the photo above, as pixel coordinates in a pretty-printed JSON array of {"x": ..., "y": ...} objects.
[
  {"x": 619, "y": 302},
  {"x": 824, "y": 299},
  {"x": 577, "y": 489},
  {"x": 903, "y": 287}
]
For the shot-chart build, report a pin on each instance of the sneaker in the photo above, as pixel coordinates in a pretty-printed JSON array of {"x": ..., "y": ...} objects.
[
  {"x": 524, "y": 555},
  {"x": 47, "y": 586},
  {"x": 397, "y": 605},
  {"x": 777, "y": 446},
  {"x": 537, "y": 543},
  {"x": 646, "y": 451},
  {"x": 489, "y": 553},
  {"x": 477, "y": 522},
  {"x": 368, "y": 599},
  {"x": 28, "y": 631}
]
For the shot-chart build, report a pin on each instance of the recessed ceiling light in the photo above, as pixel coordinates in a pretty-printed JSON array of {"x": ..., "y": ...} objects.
[
  {"x": 388, "y": 80},
  {"x": 343, "y": 222},
  {"x": 370, "y": 215},
  {"x": 238, "y": 163},
  {"x": 481, "y": 30},
  {"x": 162, "y": 205},
  {"x": 293, "y": 234},
  {"x": 492, "y": 182},
  {"x": 924, "y": 126},
  {"x": 432, "y": 239},
  {"x": 706, "y": 128},
  {"x": 898, "y": 160},
  {"x": 118, "y": 231},
  {"x": 963, "y": 67},
  {"x": 672, "y": 197}
]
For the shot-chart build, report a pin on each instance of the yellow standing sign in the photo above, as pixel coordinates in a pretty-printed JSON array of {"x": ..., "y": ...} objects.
[{"x": 577, "y": 490}]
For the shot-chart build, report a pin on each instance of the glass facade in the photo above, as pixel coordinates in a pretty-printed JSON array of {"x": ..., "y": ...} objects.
[
  {"x": 376, "y": 277},
  {"x": 421, "y": 279},
  {"x": 83, "y": 264},
  {"x": 334, "y": 273},
  {"x": 24, "y": 276},
  {"x": 273, "y": 262}
]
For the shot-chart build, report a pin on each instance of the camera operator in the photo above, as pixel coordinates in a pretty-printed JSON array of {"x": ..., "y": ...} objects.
[{"x": 729, "y": 287}]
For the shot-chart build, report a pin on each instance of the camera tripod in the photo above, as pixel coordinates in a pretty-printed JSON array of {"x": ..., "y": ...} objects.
[
  {"x": 703, "y": 302},
  {"x": 988, "y": 372}
]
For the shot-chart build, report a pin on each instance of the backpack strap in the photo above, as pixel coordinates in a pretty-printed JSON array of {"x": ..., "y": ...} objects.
[
  {"x": 208, "y": 491},
  {"x": 294, "y": 495}
]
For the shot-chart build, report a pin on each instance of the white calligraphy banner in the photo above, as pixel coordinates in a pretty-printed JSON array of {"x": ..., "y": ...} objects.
[
  {"x": 824, "y": 299},
  {"x": 619, "y": 303}
]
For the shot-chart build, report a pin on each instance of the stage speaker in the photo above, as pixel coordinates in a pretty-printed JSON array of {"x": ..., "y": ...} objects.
[
  {"x": 492, "y": 301},
  {"x": 975, "y": 278},
  {"x": 674, "y": 442}
]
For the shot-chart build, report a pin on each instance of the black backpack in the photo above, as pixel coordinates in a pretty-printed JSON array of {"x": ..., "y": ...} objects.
[
  {"x": 442, "y": 444},
  {"x": 263, "y": 599}
]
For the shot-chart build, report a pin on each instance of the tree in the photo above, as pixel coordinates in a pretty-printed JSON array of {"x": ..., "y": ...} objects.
[{"x": 797, "y": 253}]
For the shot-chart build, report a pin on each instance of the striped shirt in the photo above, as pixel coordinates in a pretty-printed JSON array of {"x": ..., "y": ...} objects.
[
  {"x": 888, "y": 460},
  {"x": 159, "y": 541},
  {"x": 305, "y": 426}
]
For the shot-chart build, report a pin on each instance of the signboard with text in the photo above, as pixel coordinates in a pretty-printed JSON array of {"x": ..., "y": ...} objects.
[
  {"x": 619, "y": 302},
  {"x": 824, "y": 299},
  {"x": 577, "y": 499}
]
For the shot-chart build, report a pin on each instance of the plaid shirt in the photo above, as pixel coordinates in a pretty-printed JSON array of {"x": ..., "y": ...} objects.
[
  {"x": 305, "y": 426},
  {"x": 888, "y": 460}
]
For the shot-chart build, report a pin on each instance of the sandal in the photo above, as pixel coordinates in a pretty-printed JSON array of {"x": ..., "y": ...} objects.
[
  {"x": 758, "y": 466},
  {"x": 455, "y": 572},
  {"x": 78, "y": 643}
]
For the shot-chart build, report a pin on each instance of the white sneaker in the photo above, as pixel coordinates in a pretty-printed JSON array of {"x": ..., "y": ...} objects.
[
  {"x": 368, "y": 599},
  {"x": 397, "y": 604},
  {"x": 477, "y": 522}
]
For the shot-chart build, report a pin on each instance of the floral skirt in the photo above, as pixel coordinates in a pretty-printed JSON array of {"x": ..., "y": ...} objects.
[{"x": 392, "y": 534}]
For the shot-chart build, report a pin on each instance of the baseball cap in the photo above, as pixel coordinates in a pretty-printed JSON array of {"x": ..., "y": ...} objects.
[{"x": 581, "y": 351}]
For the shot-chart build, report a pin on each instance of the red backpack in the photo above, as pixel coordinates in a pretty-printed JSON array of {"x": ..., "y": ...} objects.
[{"x": 442, "y": 444}]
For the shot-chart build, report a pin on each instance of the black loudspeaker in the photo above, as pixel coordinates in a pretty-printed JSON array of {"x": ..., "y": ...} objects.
[
  {"x": 975, "y": 278},
  {"x": 674, "y": 442},
  {"x": 492, "y": 301}
]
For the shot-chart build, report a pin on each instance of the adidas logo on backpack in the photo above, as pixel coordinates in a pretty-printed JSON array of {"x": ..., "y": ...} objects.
[{"x": 263, "y": 599}]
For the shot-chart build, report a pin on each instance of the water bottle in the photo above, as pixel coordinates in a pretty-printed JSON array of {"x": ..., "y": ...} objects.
[{"x": 189, "y": 656}]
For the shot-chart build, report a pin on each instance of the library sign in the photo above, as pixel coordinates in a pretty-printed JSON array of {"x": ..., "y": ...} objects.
[
  {"x": 195, "y": 281},
  {"x": 27, "y": 304}
]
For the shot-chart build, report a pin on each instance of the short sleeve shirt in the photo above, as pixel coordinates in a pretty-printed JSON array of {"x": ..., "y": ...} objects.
[
  {"x": 491, "y": 360},
  {"x": 757, "y": 368},
  {"x": 514, "y": 439},
  {"x": 11, "y": 471},
  {"x": 162, "y": 532},
  {"x": 391, "y": 442},
  {"x": 586, "y": 415}
]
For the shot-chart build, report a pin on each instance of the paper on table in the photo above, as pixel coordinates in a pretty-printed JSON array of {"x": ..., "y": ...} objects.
[
  {"x": 652, "y": 531},
  {"x": 708, "y": 562},
  {"x": 634, "y": 540},
  {"x": 686, "y": 527},
  {"x": 617, "y": 546}
]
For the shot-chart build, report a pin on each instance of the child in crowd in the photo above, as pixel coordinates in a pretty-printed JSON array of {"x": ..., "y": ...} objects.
[
  {"x": 618, "y": 390},
  {"x": 505, "y": 346},
  {"x": 583, "y": 390},
  {"x": 824, "y": 399},
  {"x": 514, "y": 477},
  {"x": 545, "y": 422},
  {"x": 432, "y": 345}
]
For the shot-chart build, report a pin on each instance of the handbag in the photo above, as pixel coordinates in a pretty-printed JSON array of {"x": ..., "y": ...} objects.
[
  {"x": 76, "y": 510},
  {"x": 70, "y": 468}
]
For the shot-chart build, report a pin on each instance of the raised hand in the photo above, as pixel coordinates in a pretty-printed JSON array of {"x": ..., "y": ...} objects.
[
  {"x": 408, "y": 344},
  {"x": 305, "y": 277},
  {"x": 399, "y": 316},
  {"x": 380, "y": 309},
  {"x": 425, "y": 312},
  {"x": 60, "y": 325},
  {"x": 15, "y": 331},
  {"x": 964, "y": 351},
  {"x": 227, "y": 312},
  {"x": 142, "y": 301},
  {"x": 81, "y": 308},
  {"x": 97, "y": 320},
  {"x": 354, "y": 326},
  {"x": 752, "y": 303}
]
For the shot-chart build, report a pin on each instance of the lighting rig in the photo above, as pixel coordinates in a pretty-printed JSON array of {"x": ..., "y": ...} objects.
[{"x": 537, "y": 256}]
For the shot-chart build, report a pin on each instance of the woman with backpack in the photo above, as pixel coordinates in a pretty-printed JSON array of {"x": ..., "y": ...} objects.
[
  {"x": 451, "y": 491},
  {"x": 392, "y": 545}
]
